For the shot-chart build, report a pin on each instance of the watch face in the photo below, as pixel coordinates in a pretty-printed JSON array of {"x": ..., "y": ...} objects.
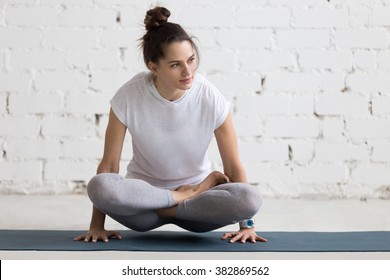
[{"x": 249, "y": 223}]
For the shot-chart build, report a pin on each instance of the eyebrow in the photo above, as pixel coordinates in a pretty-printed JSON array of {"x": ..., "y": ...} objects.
[{"x": 177, "y": 61}]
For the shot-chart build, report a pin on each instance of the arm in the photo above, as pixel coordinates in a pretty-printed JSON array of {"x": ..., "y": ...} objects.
[
  {"x": 114, "y": 138},
  {"x": 233, "y": 168},
  {"x": 228, "y": 149}
]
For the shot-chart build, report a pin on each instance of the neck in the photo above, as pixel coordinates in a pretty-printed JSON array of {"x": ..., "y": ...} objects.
[{"x": 168, "y": 94}]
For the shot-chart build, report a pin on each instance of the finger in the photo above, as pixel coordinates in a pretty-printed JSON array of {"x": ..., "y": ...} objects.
[
  {"x": 78, "y": 238},
  {"x": 118, "y": 235},
  {"x": 244, "y": 237},
  {"x": 236, "y": 237},
  {"x": 227, "y": 235},
  {"x": 261, "y": 239},
  {"x": 87, "y": 238},
  {"x": 94, "y": 238}
]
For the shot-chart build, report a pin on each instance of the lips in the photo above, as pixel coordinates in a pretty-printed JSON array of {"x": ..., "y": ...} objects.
[{"x": 186, "y": 81}]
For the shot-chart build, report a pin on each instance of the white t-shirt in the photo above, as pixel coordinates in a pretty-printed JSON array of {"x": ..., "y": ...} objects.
[{"x": 170, "y": 139}]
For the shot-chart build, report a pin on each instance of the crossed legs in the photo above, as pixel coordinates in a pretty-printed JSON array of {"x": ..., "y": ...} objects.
[{"x": 207, "y": 206}]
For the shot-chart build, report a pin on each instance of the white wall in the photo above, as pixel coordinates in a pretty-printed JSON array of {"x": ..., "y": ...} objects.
[{"x": 309, "y": 81}]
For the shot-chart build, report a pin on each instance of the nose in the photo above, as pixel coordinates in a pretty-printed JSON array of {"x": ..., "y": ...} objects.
[{"x": 186, "y": 70}]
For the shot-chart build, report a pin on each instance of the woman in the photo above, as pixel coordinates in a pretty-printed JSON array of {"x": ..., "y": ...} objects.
[{"x": 172, "y": 115}]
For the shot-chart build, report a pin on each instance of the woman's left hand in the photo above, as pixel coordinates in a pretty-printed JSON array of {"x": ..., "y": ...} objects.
[{"x": 243, "y": 235}]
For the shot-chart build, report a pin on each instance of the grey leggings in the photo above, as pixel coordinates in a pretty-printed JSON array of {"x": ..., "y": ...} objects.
[{"x": 133, "y": 203}]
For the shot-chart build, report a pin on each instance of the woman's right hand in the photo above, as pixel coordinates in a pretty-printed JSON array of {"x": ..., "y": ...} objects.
[{"x": 98, "y": 234}]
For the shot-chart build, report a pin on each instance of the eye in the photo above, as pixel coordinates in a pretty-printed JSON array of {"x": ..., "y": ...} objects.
[
  {"x": 174, "y": 65},
  {"x": 192, "y": 59}
]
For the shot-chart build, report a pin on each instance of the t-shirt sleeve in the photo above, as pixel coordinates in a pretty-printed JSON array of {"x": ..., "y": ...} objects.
[
  {"x": 222, "y": 108},
  {"x": 119, "y": 106}
]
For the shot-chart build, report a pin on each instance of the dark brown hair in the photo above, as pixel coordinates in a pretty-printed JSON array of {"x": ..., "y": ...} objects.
[{"x": 160, "y": 34}]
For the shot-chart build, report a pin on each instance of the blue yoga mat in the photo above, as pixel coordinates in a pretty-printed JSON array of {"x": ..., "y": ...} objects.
[{"x": 173, "y": 241}]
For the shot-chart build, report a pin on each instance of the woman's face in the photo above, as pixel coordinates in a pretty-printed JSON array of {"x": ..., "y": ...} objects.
[{"x": 176, "y": 71}]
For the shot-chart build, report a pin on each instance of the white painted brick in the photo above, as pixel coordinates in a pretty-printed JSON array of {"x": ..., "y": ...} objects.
[
  {"x": 209, "y": 19},
  {"x": 368, "y": 82},
  {"x": 88, "y": 103},
  {"x": 263, "y": 105},
  {"x": 244, "y": 38},
  {"x": 20, "y": 38},
  {"x": 294, "y": 82},
  {"x": 277, "y": 178},
  {"x": 83, "y": 149},
  {"x": 303, "y": 38},
  {"x": 368, "y": 129},
  {"x": 291, "y": 128},
  {"x": 384, "y": 60},
  {"x": 320, "y": 174},
  {"x": 352, "y": 3},
  {"x": 338, "y": 152},
  {"x": 32, "y": 16},
  {"x": 247, "y": 126},
  {"x": 42, "y": 59},
  {"x": 293, "y": 3},
  {"x": 64, "y": 81},
  {"x": 67, "y": 126},
  {"x": 102, "y": 125},
  {"x": 359, "y": 16},
  {"x": 88, "y": 17},
  {"x": 381, "y": 151},
  {"x": 93, "y": 59},
  {"x": 64, "y": 170},
  {"x": 301, "y": 105},
  {"x": 369, "y": 174},
  {"x": 381, "y": 16},
  {"x": 120, "y": 38},
  {"x": 21, "y": 171},
  {"x": 301, "y": 151},
  {"x": 380, "y": 105},
  {"x": 316, "y": 18},
  {"x": 41, "y": 103},
  {"x": 66, "y": 2},
  {"x": 14, "y": 82},
  {"x": 217, "y": 59},
  {"x": 318, "y": 59},
  {"x": 332, "y": 82},
  {"x": 265, "y": 60},
  {"x": 332, "y": 128},
  {"x": 263, "y": 151},
  {"x": 342, "y": 104},
  {"x": 3, "y": 103},
  {"x": 361, "y": 38},
  {"x": 109, "y": 81},
  {"x": 365, "y": 60},
  {"x": 203, "y": 38},
  {"x": 70, "y": 38},
  {"x": 19, "y": 126},
  {"x": 33, "y": 149},
  {"x": 134, "y": 60},
  {"x": 263, "y": 17},
  {"x": 235, "y": 84},
  {"x": 111, "y": 2},
  {"x": 134, "y": 16}
]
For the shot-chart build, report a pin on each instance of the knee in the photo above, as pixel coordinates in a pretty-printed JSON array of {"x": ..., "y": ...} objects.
[
  {"x": 99, "y": 186},
  {"x": 251, "y": 199}
]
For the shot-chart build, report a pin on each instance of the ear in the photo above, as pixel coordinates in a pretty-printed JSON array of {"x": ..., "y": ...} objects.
[{"x": 153, "y": 67}]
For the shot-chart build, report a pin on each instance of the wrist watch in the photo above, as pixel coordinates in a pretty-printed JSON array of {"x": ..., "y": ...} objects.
[{"x": 248, "y": 223}]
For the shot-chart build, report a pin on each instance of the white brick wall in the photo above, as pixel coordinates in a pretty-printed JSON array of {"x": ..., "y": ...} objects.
[{"x": 309, "y": 82}]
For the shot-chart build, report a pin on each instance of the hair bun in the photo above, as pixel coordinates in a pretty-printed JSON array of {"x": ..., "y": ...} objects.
[{"x": 156, "y": 17}]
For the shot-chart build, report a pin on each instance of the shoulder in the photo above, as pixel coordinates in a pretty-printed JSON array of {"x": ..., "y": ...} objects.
[
  {"x": 205, "y": 88},
  {"x": 136, "y": 84}
]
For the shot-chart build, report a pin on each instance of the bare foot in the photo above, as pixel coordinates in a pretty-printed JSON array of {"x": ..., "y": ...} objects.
[{"x": 188, "y": 191}]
